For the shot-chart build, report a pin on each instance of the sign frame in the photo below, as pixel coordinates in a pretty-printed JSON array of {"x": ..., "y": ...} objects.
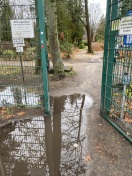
[
  {"x": 22, "y": 28},
  {"x": 126, "y": 26},
  {"x": 128, "y": 38},
  {"x": 18, "y": 42}
]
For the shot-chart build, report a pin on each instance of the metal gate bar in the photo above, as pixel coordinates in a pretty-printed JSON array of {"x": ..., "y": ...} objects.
[{"x": 116, "y": 95}]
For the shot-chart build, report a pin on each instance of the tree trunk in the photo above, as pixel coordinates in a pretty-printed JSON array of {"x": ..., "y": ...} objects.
[
  {"x": 51, "y": 16},
  {"x": 88, "y": 28},
  {"x": 57, "y": 138},
  {"x": 38, "y": 50},
  {"x": 2, "y": 167},
  {"x": 92, "y": 33}
]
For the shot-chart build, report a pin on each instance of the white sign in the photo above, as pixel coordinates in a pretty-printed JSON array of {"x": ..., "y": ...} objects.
[
  {"x": 126, "y": 26},
  {"x": 22, "y": 28},
  {"x": 18, "y": 42},
  {"x": 19, "y": 49}
]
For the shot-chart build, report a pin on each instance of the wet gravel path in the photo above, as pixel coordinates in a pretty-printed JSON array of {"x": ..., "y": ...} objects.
[{"x": 111, "y": 154}]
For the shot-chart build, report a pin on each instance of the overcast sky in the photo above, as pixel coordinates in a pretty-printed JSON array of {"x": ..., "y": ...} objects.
[{"x": 102, "y": 3}]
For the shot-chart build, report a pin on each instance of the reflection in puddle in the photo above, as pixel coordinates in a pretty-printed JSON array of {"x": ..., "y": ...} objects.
[
  {"x": 47, "y": 143},
  {"x": 16, "y": 95}
]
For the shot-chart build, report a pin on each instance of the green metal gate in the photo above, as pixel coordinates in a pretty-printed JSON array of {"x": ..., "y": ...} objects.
[
  {"x": 116, "y": 97},
  {"x": 23, "y": 55}
]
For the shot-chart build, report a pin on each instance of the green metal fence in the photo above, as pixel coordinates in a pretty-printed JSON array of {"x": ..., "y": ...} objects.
[
  {"x": 116, "y": 98},
  {"x": 23, "y": 58}
]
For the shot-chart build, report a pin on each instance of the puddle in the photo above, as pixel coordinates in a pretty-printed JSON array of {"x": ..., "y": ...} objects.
[
  {"x": 45, "y": 146},
  {"x": 16, "y": 95}
]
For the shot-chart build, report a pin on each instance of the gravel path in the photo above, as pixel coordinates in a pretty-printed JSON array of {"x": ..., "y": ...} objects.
[{"x": 111, "y": 154}]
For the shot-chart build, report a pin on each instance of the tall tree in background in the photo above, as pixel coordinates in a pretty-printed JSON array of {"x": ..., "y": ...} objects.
[
  {"x": 75, "y": 10},
  {"x": 94, "y": 17},
  {"x": 100, "y": 31},
  {"x": 38, "y": 49},
  {"x": 88, "y": 27},
  {"x": 51, "y": 18},
  {"x": 6, "y": 14},
  {"x": 69, "y": 21}
]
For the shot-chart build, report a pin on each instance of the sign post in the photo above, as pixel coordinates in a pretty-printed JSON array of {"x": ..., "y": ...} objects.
[{"x": 21, "y": 29}]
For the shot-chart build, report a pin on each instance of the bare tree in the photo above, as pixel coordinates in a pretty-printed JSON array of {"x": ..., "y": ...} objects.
[
  {"x": 94, "y": 17},
  {"x": 88, "y": 27}
]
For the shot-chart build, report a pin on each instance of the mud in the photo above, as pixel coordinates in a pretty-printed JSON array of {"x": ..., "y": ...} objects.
[
  {"x": 108, "y": 153},
  {"x": 111, "y": 154},
  {"x": 53, "y": 145}
]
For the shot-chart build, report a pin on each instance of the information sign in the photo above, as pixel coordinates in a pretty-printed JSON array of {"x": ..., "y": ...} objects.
[
  {"x": 128, "y": 40},
  {"x": 18, "y": 42},
  {"x": 22, "y": 28},
  {"x": 19, "y": 49},
  {"x": 126, "y": 26}
]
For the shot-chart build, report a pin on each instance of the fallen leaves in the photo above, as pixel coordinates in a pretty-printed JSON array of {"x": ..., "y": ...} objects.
[
  {"x": 21, "y": 113},
  {"x": 17, "y": 112},
  {"x": 97, "y": 46},
  {"x": 9, "y": 112},
  {"x": 2, "y": 110},
  {"x": 115, "y": 111},
  {"x": 128, "y": 120},
  {"x": 98, "y": 148},
  {"x": 87, "y": 158},
  {"x": 10, "y": 116}
]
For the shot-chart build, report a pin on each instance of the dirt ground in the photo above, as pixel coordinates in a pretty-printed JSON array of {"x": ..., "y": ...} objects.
[{"x": 111, "y": 154}]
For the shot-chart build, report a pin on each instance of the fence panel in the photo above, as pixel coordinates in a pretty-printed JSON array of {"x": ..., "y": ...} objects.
[
  {"x": 21, "y": 61},
  {"x": 116, "y": 98}
]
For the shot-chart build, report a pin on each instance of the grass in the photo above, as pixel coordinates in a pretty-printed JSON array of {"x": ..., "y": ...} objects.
[
  {"x": 31, "y": 49},
  {"x": 5, "y": 71},
  {"x": 67, "y": 74},
  {"x": 8, "y": 52},
  {"x": 28, "y": 54},
  {"x": 70, "y": 74}
]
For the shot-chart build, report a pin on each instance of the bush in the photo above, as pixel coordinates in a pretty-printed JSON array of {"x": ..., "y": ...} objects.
[
  {"x": 82, "y": 46},
  {"x": 66, "y": 48},
  {"x": 99, "y": 38},
  {"x": 8, "y": 52}
]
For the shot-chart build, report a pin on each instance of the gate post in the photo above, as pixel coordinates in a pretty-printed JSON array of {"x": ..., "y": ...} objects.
[
  {"x": 107, "y": 28},
  {"x": 108, "y": 56},
  {"x": 42, "y": 30}
]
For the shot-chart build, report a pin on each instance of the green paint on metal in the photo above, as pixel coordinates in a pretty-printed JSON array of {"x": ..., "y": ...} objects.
[
  {"x": 44, "y": 55},
  {"x": 117, "y": 128},
  {"x": 117, "y": 66},
  {"x": 23, "y": 59},
  {"x": 107, "y": 27}
]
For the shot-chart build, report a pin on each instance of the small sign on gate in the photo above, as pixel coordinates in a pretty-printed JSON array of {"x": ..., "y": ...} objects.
[
  {"x": 126, "y": 26},
  {"x": 19, "y": 49},
  {"x": 22, "y": 28},
  {"x": 128, "y": 38},
  {"x": 18, "y": 42}
]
